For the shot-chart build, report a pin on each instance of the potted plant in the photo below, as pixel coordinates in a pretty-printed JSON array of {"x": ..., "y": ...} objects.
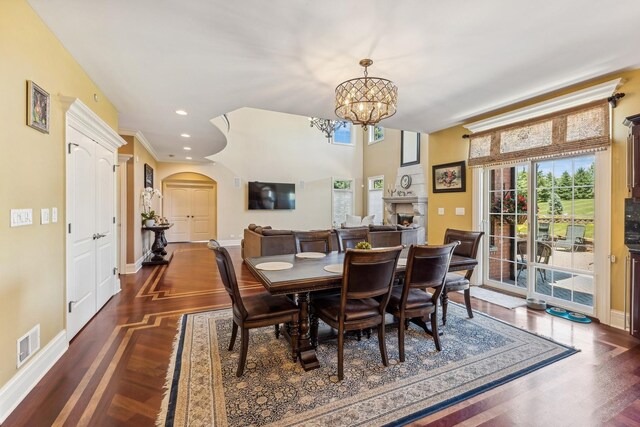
[
  {"x": 148, "y": 218},
  {"x": 363, "y": 245},
  {"x": 146, "y": 197},
  {"x": 511, "y": 205}
]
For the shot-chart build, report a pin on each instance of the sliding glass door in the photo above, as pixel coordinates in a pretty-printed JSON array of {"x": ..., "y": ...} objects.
[{"x": 548, "y": 251}]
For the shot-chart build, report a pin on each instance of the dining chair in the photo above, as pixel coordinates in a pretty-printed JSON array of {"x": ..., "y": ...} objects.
[
  {"x": 427, "y": 267},
  {"x": 253, "y": 311},
  {"x": 348, "y": 238},
  {"x": 367, "y": 280},
  {"x": 468, "y": 247},
  {"x": 312, "y": 241}
]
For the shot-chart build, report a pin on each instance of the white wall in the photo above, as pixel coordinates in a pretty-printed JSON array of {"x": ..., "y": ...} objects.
[{"x": 276, "y": 147}]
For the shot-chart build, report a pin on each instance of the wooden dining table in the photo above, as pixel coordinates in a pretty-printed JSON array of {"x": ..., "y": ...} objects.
[{"x": 308, "y": 275}]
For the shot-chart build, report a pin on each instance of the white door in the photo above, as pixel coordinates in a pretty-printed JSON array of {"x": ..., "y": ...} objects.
[
  {"x": 91, "y": 229},
  {"x": 81, "y": 291},
  {"x": 191, "y": 210}
]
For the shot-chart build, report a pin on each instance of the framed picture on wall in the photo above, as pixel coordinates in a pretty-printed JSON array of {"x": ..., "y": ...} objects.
[
  {"x": 409, "y": 148},
  {"x": 37, "y": 107},
  {"x": 148, "y": 176},
  {"x": 449, "y": 178}
]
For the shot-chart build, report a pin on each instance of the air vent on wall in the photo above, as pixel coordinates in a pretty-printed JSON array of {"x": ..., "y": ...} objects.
[{"x": 28, "y": 344}]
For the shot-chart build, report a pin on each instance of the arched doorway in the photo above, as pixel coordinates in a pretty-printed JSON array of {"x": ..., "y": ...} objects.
[{"x": 190, "y": 203}]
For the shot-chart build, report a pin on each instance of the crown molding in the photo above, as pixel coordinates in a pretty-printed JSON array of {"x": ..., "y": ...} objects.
[
  {"x": 143, "y": 140},
  {"x": 573, "y": 99},
  {"x": 82, "y": 118}
]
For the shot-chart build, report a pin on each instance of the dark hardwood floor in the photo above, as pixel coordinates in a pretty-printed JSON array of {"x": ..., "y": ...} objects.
[{"x": 114, "y": 371}]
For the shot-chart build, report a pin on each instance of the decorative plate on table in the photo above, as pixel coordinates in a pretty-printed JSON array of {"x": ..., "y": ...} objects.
[
  {"x": 402, "y": 262},
  {"x": 311, "y": 255},
  {"x": 274, "y": 266},
  {"x": 333, "y": 268}
]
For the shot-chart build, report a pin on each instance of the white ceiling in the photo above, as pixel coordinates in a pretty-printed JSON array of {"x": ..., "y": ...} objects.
[{"x": 451, "y": 60}]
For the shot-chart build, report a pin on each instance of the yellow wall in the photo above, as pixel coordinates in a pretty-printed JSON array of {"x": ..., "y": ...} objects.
[{"x": 32, "y": 169}]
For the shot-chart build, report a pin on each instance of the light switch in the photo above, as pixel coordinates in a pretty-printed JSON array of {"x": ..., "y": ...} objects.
[
  {"x": 440, "y": 211},
  {"x": 44, "y": 216},
  {"x": 54, "y": 215},
  {"x": 459, "y": 211},
  {"x": 20, "y": 217}
]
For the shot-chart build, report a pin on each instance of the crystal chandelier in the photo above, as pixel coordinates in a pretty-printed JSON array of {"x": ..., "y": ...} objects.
[
  {"x": 326, "y": 126},
  {"x": 366, "y": 101}
]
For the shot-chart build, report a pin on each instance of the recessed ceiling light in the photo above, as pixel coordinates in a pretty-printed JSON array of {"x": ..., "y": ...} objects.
[
  {"x": 188, "y": 158},
  {"x": 181, "y": 112},
  {"x": 185, "y": 135},
  {"x": 187, "y": 148}
]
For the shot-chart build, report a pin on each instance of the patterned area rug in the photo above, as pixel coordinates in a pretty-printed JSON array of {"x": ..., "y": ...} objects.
[{"x": 478, "y": 354}]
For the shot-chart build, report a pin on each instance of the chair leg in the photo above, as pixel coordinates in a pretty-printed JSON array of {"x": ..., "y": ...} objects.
[
  {"x": 294, "y": 340},
  {"x": 234, "y": 333},
  {"x": 243, "y": 353},
  {"x": 340, "y": 354},
  {"x": 401, "y": 338},
  {"x": 382, "y": 344},
  {"x": 434, "y": 330},
  {"x": 277, "y": 330},
  {"x": 444, "y": 299},
  {"x": 359, "y": 334},
  {"x": 467, "y": 302}
]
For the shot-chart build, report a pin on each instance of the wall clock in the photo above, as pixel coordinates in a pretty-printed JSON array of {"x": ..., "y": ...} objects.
[{"x": 405, "y": 181}]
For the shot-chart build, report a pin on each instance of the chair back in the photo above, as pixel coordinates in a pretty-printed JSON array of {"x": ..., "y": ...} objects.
[
  {"x": 348, "y": 238},
  {"x": 543, "y": 253},
  {"x": 369, "y": 274},
  {"x": 469, "y": 241},
  {"x": 543, "y": 231},
  {"x": 427, "y": 267},
  {"x": 575, "y": 233},
  {"x": 313, "y": 241},
  {"x": 228, "y": 275}
]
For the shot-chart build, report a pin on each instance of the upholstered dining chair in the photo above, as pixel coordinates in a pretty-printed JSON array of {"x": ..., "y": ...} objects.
[
  {"x": 253, "y": 311},
  {"x": 468, "y": 247},
  {"x": 367, "y": 280},
  {"x": 312, "y": 241},
  {"x": 348, "y": 238},
  {"x": 427, "y": 267}
]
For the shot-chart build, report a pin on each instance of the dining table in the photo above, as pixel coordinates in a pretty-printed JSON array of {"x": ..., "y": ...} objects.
[{"x": 308, "y": 275}]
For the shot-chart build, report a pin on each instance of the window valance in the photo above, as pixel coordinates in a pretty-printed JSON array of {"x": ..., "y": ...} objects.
[{"x": 572, "y": 131}]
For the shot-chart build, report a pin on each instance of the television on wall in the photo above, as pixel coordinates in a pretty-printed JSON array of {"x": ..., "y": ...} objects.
[{"x": 272, "y": 195}]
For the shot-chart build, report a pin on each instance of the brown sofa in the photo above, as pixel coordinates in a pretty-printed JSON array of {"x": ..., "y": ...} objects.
[{"x": 264, "y": 241}]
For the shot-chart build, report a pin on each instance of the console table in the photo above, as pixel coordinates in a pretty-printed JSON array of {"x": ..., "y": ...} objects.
[{"x": 158, "y": 246}]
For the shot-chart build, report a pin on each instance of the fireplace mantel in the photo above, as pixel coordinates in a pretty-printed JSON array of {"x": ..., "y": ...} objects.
[
  {"x": 405, "y": 199},
  {"x": 412, "y": 205}
]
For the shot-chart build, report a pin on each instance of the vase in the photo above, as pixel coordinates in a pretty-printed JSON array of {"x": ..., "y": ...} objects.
[{"x": 149, "y": 222}]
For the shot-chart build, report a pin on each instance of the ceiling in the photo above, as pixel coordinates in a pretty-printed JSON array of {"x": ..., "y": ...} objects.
[{"x": 451, "y": 60}]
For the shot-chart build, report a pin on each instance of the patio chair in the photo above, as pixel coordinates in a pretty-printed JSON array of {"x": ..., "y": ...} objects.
[
  {"x": 573, "y": 238},
  {"x": 543, "y": 231},
  {"x": 543, "y": 254}
]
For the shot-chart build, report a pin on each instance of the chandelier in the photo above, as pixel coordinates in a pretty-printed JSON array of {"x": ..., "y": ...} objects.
[
  {"x": 326, "y": 126},
  {"x": 366, "y": 101}
]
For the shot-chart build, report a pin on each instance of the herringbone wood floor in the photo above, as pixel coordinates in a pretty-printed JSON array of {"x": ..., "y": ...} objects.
[{"x": 114, "y": 371}]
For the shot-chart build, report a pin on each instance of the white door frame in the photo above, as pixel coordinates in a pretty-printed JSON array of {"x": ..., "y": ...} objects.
[
  {"x": 85, "y": 121},
  {"x": 122, "y": 219}
]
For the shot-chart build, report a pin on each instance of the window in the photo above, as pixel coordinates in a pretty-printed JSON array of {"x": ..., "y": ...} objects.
[
  {"x": 376, "y": 134},
  {"x": 343, "y": 135},
  {"x": 342, "y": 198},
  {"x": 375, "y": 203}
]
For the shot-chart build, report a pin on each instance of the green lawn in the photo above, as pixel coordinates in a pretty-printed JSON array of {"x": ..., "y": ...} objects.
[{"x": 582, "y": 208}]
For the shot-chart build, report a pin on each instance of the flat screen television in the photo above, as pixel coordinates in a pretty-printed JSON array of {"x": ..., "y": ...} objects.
[{"x": 272, "y": 195}]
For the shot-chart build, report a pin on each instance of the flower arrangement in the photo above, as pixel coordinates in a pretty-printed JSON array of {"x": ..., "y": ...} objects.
[
  {"x": 511, "y": 205},
  {"x": 363, "y": 245},
  {"x": 146, "y": 198}
]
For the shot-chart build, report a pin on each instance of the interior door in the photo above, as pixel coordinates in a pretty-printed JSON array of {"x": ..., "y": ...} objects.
[
  {"x": 178, "y": 213},
  {"x": 104, "y": 227},
  {"x": 81, "y": 298},
  {"x": 201, "y": 213}
]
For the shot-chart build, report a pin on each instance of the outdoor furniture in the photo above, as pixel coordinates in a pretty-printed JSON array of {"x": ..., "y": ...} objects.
[
  {"x": 427, "y": 267},
  {"x": 573, "y": 238},
  {"x": 366, "y": 286},
  {"x": 543, "y": 255},
  {"x": 543, "y": 231},
  {"x": 254, "y": 311}
]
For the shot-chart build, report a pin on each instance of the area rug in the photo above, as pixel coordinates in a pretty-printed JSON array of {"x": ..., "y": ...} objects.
[
  {"x": 478, "y": 354},
  {"x": 497, "y": 298}
]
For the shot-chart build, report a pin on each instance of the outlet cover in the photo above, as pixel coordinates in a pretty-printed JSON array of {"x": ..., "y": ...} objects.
[
  {"x": 20, "y": 217},
  {"x": 459, "y": 211},
  {"x": 44, "y": 216},
  {"x": 440, "y": 211},
  {"x": 54, "y": 215}
]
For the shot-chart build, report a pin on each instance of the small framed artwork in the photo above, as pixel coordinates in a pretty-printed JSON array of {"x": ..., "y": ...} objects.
[
  {"x": 37, "y": 107},
  {"x": 449, "y": 178},
  {"x": 148, "y": 176},
  {"x": 409, "y": 148},
  {"x": 376, "y": 134}
]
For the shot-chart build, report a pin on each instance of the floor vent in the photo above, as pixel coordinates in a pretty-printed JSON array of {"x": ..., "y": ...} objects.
[{"x": 28, "y": 344}]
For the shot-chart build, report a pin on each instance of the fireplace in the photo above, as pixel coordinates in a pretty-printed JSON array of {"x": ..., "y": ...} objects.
[{"x": 405, "y": 220}]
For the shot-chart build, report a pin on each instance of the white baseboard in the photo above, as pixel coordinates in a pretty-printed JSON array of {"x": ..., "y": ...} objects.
[
  {"x": 135, "y": 267},
  {"x": 617, "y": 319},
  {"x": 116, "y": 287},
  {"x": 229, "y": 242},
  {"x": 17, "y": 388}
]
